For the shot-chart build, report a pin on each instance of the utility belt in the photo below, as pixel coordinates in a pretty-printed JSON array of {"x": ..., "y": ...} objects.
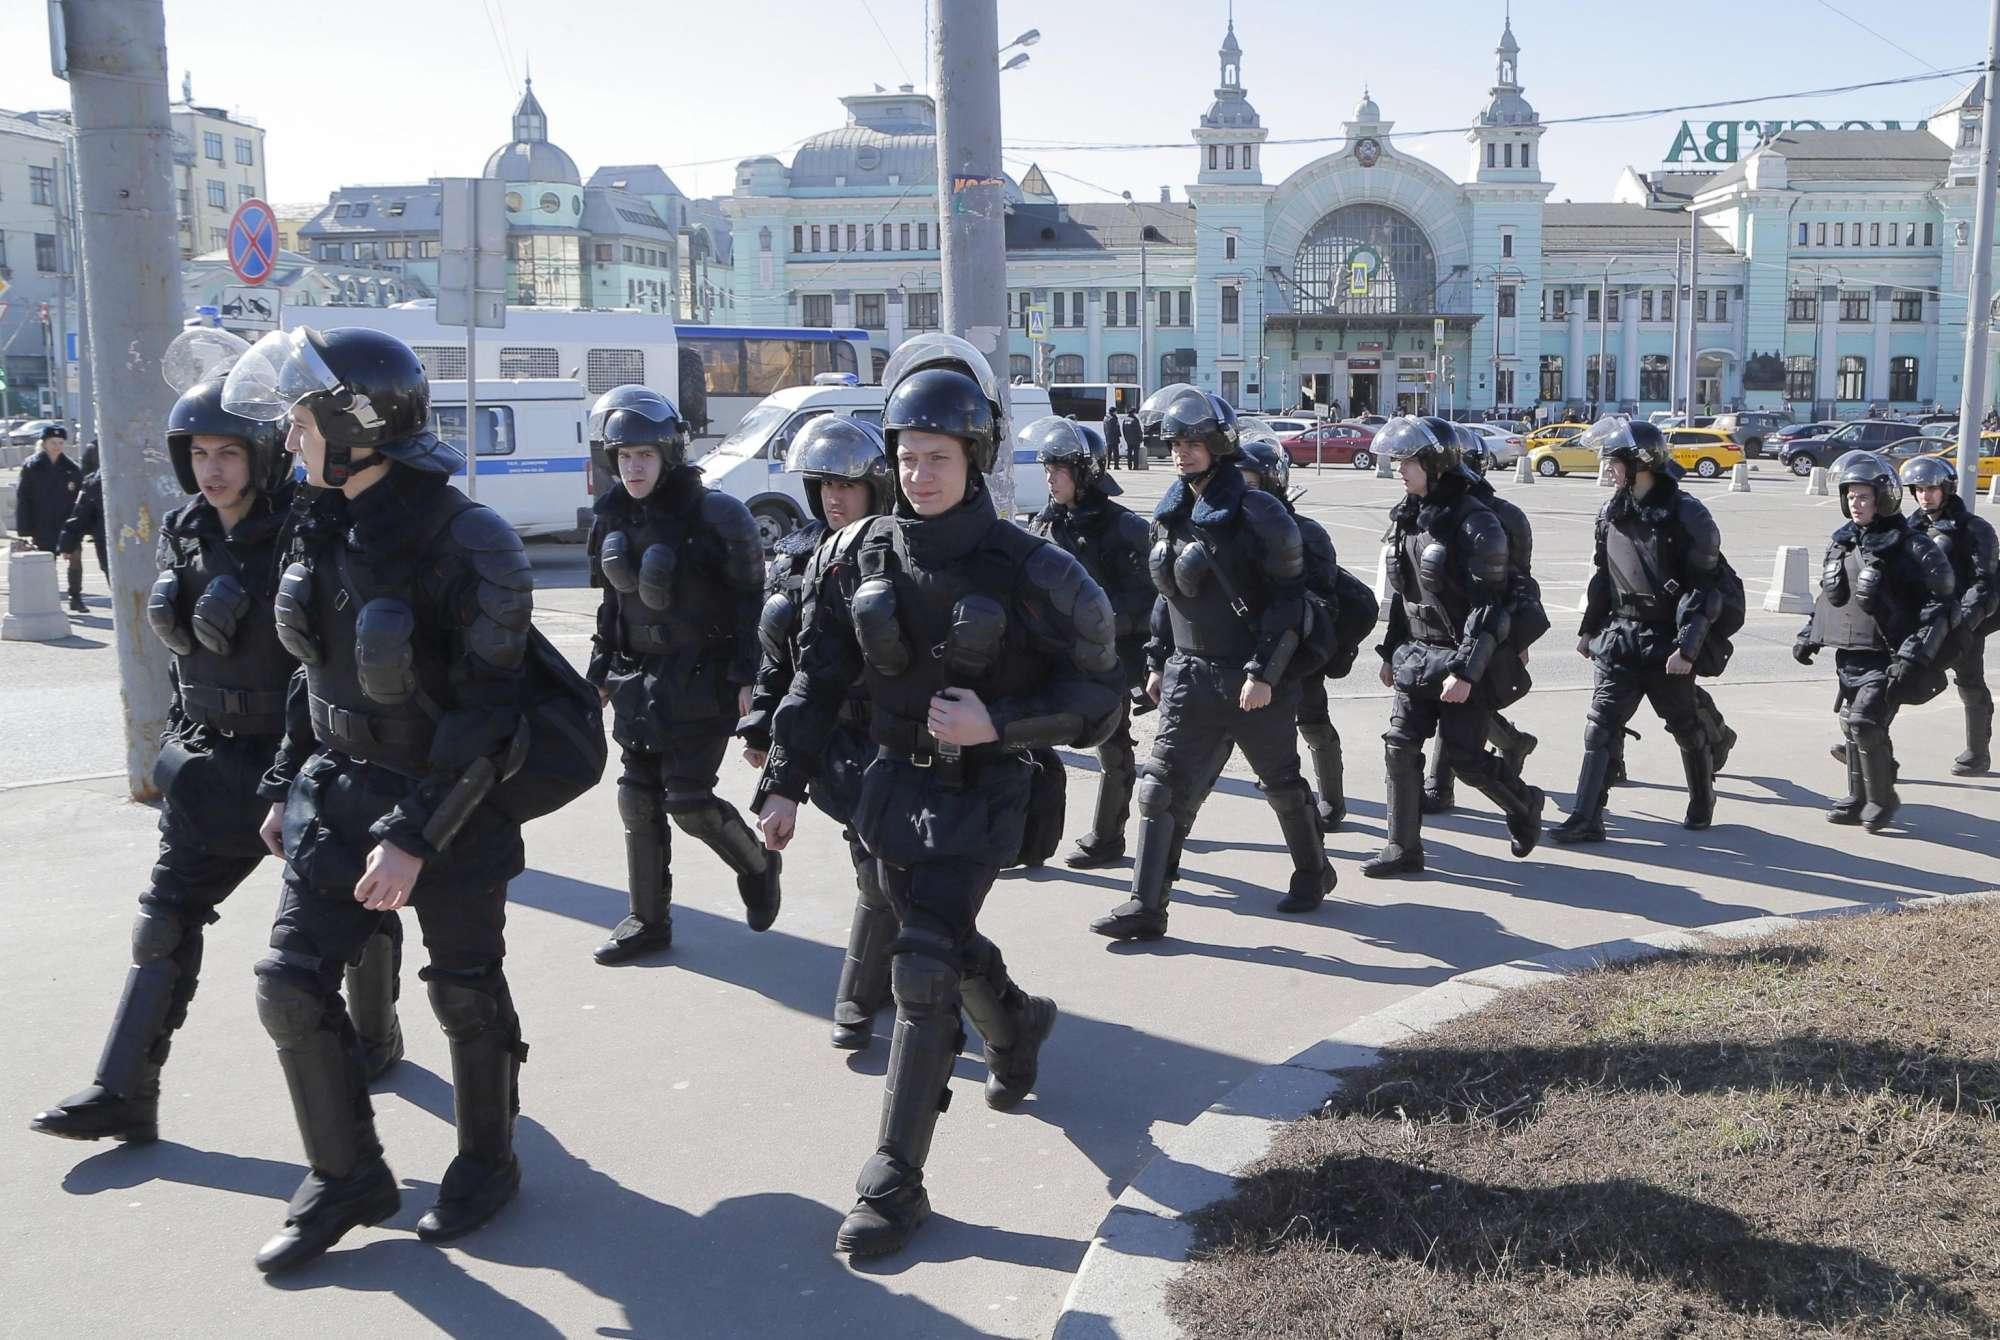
[
  {"x": 659, "y": 639},
  {"x": 913, "y": 743},
  {"x": 1644, "y": 609},
  {"x": 397, "y": 743},
  {"x": 235, "y": 711},
  {"x": 1429, "y": 624}
]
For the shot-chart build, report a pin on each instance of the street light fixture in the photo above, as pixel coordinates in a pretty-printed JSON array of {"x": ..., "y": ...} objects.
[
  {"x": 1027, "y": 39},
  {"x": 1015, "y": 63}
]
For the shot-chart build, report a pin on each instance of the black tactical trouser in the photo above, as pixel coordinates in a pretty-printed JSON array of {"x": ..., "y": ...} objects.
[
  {"x": 679, "y": 785},
  {"x": 1323, "y": 745},
  {"x": 1199, "y": 723},
  {"x": 1615, "y": 696},
  {"x": 1968, "y": 672}
]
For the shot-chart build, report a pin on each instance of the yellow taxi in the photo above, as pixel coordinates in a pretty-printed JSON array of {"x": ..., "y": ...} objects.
[
  {"x": 1707, "y": 452},
  {"x": 1989, "y": 456},
  {"x": 1552, "y": 450}
]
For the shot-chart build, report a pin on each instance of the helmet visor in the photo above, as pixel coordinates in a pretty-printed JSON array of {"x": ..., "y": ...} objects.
[
  {"x": 651, "y": 404},
  {"x": 277, "y": 373},
  {"x": 201, "y": 354},
  {"x": 937, "y": 349},
  {"x": 1406, "y": 436},
  {"x": 1608, "y": 436}
]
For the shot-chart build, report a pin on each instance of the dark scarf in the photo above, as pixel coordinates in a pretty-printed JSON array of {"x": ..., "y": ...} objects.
[
  {"x": 1659, "y": 506},
  {"x": 938, "y": 541},
  {"x": 1215, "y": 506}
]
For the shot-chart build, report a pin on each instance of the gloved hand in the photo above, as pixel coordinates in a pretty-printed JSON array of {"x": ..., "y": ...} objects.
[
  {"x": 1900, "y": 669},
  {"x": 1804, "y": 649}
]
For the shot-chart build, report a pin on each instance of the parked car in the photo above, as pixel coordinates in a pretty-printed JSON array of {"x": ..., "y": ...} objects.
[
  {"x": 1332, "y": 444},
  {"x": 1250, "y": 430},
  {"x": 1549, "y": 455},
  {"x": 1284, "y": 425},
  {"x": 1750, "y": 428},
  {"x": 1370, "y": 420},
  {"x": 1950, "y": 420},
  {"x": 1802, "y": 454},
  {"x": 29, "y": 432},
  {"x": 1505, "y": 447},
  {"x": 1707, "y": 452},
  {"x": 1792, "y": 432},
  {"x": 1989, "y": 455}
]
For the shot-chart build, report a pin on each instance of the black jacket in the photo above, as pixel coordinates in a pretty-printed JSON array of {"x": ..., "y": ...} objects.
[
  {"x": 1969, "y": 544},
  {"x": 1111, "y": 541},
  {"x": 1248, "y": 536},
  {"x": 1132, "y": 433},
  {"x": 85, "y": 518},
  {"x": 46, "y": 493},
  {"x": 1680, "y": 526}
]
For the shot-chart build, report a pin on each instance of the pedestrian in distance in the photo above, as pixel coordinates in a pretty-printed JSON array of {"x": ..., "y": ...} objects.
[
  {"x": 1114, "y": 436},
  {"x": 1886, "y": 605},
  {"x": 975, "y": 642},
  {"x": 1229, "y": 569},
  {"x": 847, "y": 477},
  {"x": 1968, "y": 543},
  {"x": 86, "y": 518},
  {"x": 1135, "y": 442},
  {"x": 674, "y": 655},
  {"x": 1655, "y": 603},
  {"x": 212, "y": 606},
  {"x": 44, "y": 497},
  {"x": 1449, "y": 577},
  {"x": 409, "y": 607},
  {"x": 1084, "y": 519}
]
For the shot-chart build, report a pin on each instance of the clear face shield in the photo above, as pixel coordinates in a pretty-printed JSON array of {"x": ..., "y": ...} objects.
[
  {"x": 200, "y": 354},
  {"x": 1608, "y": 437},
  {"x": 1405, "y": 437},
  {"x": 275, "y": 374},
  {"x": 937, "y": 349}
]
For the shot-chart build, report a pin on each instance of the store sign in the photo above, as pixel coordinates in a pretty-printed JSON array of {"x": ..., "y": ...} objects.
[
  {"x": 1363, "y": 364},
  {"x": 1727, "y": 141}
]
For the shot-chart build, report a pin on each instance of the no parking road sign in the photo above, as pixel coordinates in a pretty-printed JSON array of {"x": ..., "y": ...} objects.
[{"x": 253, "y": 242}]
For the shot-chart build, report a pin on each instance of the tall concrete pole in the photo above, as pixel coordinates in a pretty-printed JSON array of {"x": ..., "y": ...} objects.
[
  {"x": 1674, "y": 348},
  {"x": 1972, "y": 408},
  {"x": 117, "y": 59},
  {"x": 972, "y": 199},
  {"x": 86, "y": 390},
  {"x": 1694, "y": 312}
]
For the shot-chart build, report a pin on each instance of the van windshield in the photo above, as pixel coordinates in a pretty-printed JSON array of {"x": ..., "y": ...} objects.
[{"x": 750, "y": 435}]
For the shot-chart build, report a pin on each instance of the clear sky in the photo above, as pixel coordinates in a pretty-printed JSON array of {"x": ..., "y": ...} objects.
[{"x": 401, "y": 90}]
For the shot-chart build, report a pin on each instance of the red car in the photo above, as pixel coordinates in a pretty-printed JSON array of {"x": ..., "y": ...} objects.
[{"x": 1332, "y": 444}]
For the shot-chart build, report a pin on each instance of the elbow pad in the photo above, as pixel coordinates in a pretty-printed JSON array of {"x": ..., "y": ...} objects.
[
  {"x": 1160, "y": 567},
  {"x": 293, "y": 610},
  {"x": 163, "y": 613},
  {"x": 222, "y": 608},
  {"x": 877, "y": 628},
  {"x": 614, "y": 560},
  {"x": 776, "y": 625},
  {"x": 1833, "y": 578}
]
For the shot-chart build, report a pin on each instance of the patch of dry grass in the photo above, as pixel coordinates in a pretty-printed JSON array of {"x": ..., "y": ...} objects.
[{"x": 1794, "y": 1137}]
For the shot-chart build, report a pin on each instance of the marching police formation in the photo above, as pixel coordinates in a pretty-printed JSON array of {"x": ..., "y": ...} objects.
[{"x": 359, "y": 690}]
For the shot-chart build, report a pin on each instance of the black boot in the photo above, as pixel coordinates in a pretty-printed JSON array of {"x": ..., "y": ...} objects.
[
  {"x": 1720, "y": 738},
  {"x": 648, "y": 847},
  {"x": 1878, "y": 774},
  {"x": 1520, "y": 803},
  {"x": 124, "y": 1103},
  {"x": 1977, "y": 759},
  {"x": 1839, "y": 753},
  {"x": 756, "y": 868},
  {"x": 1586, "y": 817},
  {"x": 373, "y": 984},
  {"x": 864, "y": 972},
  {"x": 1312, "y": 874},
  {"x": 1143, "y": 916},
  {"x": 1403, "y": 853},
  {"x": 1847, "y": 810},
  {"x": 348, "y": 1184},
  {"x": 1013, "y": 1025},
  {"x": 1700, "y": 771},
  {"x": 1440, "y": 796},
  {"x": 892, "y": 1202},
  {"x": 1323, "y": 744},
  {"x": 1511, "y": 742},
  {"x": 486, "y": 1056},
  {"x": 1106, "y": 843}
]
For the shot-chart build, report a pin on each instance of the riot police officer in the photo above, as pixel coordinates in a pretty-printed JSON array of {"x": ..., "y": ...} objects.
[
  {"x": 846, "y": 478},
  {"x": 212, "y": 607},
  {"x": 1109, "y": 539},
  {"x": 1229, "y": 567},
  {"x": 1968, "y": 542},
  {"x": 674, "y": 655},
  {"x": 1654, "y": 596},
  {"x": 1444, "y": 652},
  {"x": 1525, "y": 613},
  {"x": 1265, "y": 466},
  {"x": 1886, "y": 607},
  {"x": 975, "y": 642},
  {"x": 409, "y": 607}
]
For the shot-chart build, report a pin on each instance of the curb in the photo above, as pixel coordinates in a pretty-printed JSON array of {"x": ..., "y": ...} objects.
[{"x": 1120, "y": 1286}]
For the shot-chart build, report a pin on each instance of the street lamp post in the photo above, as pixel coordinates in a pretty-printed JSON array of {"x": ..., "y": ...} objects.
[
  {"x": 1496, "y": 273},
  {"x": 1603, "y": 324},
  {"x": 1145, "y": 295}
]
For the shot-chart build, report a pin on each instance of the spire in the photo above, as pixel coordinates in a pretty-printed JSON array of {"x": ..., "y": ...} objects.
[
  {"x": 1509, "y": 52},
  {"x": 1231, "y": 54},
  {"x": 531, "y": 124}
]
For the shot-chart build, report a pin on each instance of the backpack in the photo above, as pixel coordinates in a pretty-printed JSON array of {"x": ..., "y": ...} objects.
[
  {"x": 1317, "y": 628},
  {"x": 1716, "y": 648},
  {"x": 1048, "y": 800},
  {"x": 1359, "y": 612}
]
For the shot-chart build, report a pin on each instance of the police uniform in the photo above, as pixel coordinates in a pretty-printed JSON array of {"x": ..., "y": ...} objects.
[
  {"x": 1654, "y": 590},
  {"x": 1968, "y": 542},
  {"x": 1228, "y": 567},
  {"x": 1450, "y": 578},
  {"x": 683, "y": 574},
  {"x": 211, "y": 606},
  {"x": 910, "y": 606},
  {"x": 1886, "y": 606},
  {"x": 1110, "y": 541}
]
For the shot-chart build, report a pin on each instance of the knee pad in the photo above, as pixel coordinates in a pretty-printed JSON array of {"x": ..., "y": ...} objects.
[
  {"x": 699, "y": 816},
  {"x": 1289, "y": 797},
  {"x": 290, "y": 1008},
  {"x": 466, "y": 1006},
  {"x": 923, "y": 983},
  {"x": 1866, "y": 734},
  {"x": 1116, "y": 756},
  {"x": 639, "y": 808},
  {"x": 1319, "y": 735},
  {"x": 1155, "y": 797},
  {"x": 157, "y": 932},
  {"x": 1601, "y": 734}
]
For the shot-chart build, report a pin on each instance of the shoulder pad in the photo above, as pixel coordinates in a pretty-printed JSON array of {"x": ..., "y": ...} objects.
[
  {"x": 742, "y": 550},
  {"x": 1056, "y": 574},
  {"x": 1699, "y": 523},
  {"x": 725, "y": 513},
  {"x": 1847, "y": 536},
  {"x": 1482, "y": 530},
  {"x": 1132, "y": 528},
  {"x": 1261, "y": 509},
  {"x": 496, "y": 551}
]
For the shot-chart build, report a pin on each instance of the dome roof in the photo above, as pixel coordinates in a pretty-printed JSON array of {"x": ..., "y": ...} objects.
[
  {"x": 859, "y": 156},
  {"x": 530, "y": 156},
  {"x": 1366, "y": 110},
  {"x": 1232, "y": 113},
  {"x": 1508, "y": 108}
]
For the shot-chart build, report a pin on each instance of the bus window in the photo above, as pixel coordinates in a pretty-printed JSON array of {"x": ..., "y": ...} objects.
[
  {"x": 721, "y": 363},
  {"x": 607, "y": 369},
  {"x": 496, "y": 427},
  {"x": 772, "y": 365},
  {"x": 834, "y": 356}
]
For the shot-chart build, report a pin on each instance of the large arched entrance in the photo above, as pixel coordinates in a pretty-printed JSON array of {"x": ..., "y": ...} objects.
[{"x": 1362, "y": 272}]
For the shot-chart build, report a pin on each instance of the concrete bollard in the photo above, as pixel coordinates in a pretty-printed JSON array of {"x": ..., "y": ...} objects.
[
  {"x": 1739, "y": 478},
  {"x": 7, "y": 494},
  {"x": 1383, "y": 468},
  {"x": 34, "y": 609},
  {"x": 1523, "y": 473},
  {"x": 1788, "y": 593},
  {"x": 1382, "y": 561},
  {"x": 1816, "y": 482},
  {"x": 1993, "y": 490}
]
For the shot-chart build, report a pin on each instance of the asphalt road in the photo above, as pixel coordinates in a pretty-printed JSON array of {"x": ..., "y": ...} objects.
[{"x": 690, "y": 1140}]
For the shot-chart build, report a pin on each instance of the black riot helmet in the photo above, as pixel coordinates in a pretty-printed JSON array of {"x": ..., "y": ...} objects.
[
  {"x": 940, "y": 383},
  {"x": 1430, "y": 441},
  {"x": 363, "y": 388},
  {"x": 1473, "y": 452},
  {"x": 1269, "y": 464},
  {"x": 1929, "y": 472},
  {"x": 1640, "y": 445},
  {"x": 843, "y": 450},
  {"x": 1183, "y": 413},
  {"x": 1865, "y": 467},
  {"x": 199, "y": 413},
  {"x": 1057, "y": 440},
  {"x": 636, "y": 416}
]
